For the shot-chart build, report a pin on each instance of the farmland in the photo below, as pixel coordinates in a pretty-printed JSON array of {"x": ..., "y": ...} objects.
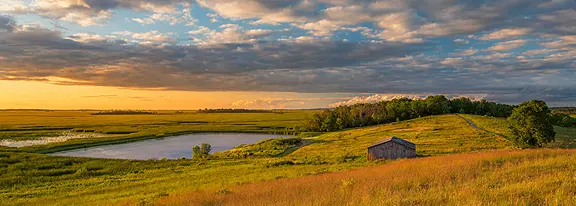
[{"x": 28, "y": 177}]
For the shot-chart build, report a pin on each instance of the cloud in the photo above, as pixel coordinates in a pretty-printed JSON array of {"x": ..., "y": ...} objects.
[
  {"x": 12, "y": 5},
  {"x": 7, "y": 24},
  {"x": 461, "y": 41},
  {"x": 562, "y": 42},
  {"x": 271, "y": 12},
  {"x": 507, "y": 45},
  {"x": 151, "y": 37},
  {"x": 269, "y": 103},
  {"x": 492, "y": 57},
  {"x": 91, "y": 12},
  {"x": 506, "y": 33},
  {"x": 231, "y": 33},
  {"x": 375, "y": 98},
  {"x": 468, "y": 52},
  {"x": 388, "y": 97},
  {"x": 452, "y": 61},
  {"x": 182, "y": 17},
  {"x": 391, "y": 47}
]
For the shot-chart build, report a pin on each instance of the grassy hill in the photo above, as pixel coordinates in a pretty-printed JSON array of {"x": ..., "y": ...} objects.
[
  {"x": 565, "y": 137},
  {"x": 28, "y": 178},
  {"x": 529, "y": 177}
]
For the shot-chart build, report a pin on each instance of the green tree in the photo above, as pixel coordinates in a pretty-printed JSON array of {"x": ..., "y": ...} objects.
[
  {"x": 196, "y": 152},
  {"x": 530, "y": 124},
  {"x": 203, "y": 151}
]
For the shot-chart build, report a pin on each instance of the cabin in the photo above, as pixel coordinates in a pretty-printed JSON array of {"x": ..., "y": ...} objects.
[{"x": 391, "y": 148}]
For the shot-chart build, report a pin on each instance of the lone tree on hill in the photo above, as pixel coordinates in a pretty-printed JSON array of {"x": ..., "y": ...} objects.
[
  {"x": 201, "y": 152},
  {"x": 530, "y": 124}
]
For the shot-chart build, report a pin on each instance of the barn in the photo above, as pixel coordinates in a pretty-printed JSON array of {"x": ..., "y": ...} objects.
[{"x": 391, "y": 148}]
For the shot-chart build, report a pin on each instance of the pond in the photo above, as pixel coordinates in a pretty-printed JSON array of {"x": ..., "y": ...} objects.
[{"x": 168, "y": 147}]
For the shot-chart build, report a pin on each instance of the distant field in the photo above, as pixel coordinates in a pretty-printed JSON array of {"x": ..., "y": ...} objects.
[
  {"x": 528, "y": 177},
  {"x": 565, "y": 137},
  {"x": 28, "y": 125},
  {"x": 33, "y": 178}
]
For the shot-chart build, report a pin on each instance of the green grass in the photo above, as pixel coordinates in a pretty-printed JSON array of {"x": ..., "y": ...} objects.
[
  {"x": 28, "y": 178},
  {"x": 26, "y": 125},
  {"x": 523, "y": 177},
  {"x": 565, "y": 137}
]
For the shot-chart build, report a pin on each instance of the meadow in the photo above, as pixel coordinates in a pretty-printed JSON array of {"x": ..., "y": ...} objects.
[
  {"x": 30, "y": 125},
  {"x": 565, "y": 137},
  {"x": 529, "y": 177},
  {"x": 27, "y": 177}
]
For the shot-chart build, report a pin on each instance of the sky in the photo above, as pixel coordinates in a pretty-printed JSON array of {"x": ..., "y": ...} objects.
[{"x": 191, "y": 54}]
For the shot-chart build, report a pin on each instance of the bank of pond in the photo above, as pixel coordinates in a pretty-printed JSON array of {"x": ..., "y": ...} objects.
[{"x": 174, "y": 147}]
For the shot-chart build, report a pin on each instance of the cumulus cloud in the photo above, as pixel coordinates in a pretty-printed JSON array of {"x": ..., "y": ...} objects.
[
  {"x": 278, "y": 103},
  {"x": 375, "y": 98},
  {"x": 388, "y": 97}
]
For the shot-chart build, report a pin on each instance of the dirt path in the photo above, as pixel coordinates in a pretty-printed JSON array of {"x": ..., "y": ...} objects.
[
  {"x": 472, "y": 123},
  {"x": 480, "y": 128},
  {"x": 305, "y": 142}
]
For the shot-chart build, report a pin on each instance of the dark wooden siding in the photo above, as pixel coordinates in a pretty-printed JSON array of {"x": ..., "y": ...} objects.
[{"x": 390, "y": 150}]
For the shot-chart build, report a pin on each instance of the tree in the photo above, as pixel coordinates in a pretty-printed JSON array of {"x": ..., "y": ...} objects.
[
  {"x": 203, "y": 151},
  {"x": 530, "y": 124},
  {"x": 196, "y": 152}
]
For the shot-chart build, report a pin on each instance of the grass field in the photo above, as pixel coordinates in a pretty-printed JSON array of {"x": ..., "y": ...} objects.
[
  {"x": 31, "y": 178},
  {"x": 565, "y": 137},
  {"x": 529, "y": 177},
  {"x": 35, "y": 178},
  {"x": 26, "y": 125}
]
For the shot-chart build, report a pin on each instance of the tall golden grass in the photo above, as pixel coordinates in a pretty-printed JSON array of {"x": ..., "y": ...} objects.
[{"x": 529, "y": 177}]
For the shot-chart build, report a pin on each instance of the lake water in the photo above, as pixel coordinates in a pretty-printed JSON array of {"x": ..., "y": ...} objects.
[{"x": 168, "y": 147}]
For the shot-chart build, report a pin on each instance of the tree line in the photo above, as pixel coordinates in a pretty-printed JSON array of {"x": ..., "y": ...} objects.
[
  {"x": 564, "y": 110},
  {"x": 366, "y": 114},
  {"x": 224, "y": 110}
]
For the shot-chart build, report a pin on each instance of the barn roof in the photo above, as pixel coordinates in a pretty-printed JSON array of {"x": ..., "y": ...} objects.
[{"x": 396, "y": 140}]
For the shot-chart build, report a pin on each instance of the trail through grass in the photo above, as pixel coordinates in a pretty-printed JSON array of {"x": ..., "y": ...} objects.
[{"x": 565, "y": 137}]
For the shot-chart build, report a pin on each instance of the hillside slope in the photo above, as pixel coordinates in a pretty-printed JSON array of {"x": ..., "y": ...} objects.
[
  {"x": 529, "y": 177},
  {"x": 565, "y": 137}
]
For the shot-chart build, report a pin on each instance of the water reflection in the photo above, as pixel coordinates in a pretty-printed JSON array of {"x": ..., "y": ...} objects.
[{"x": 168, "y": 147}]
